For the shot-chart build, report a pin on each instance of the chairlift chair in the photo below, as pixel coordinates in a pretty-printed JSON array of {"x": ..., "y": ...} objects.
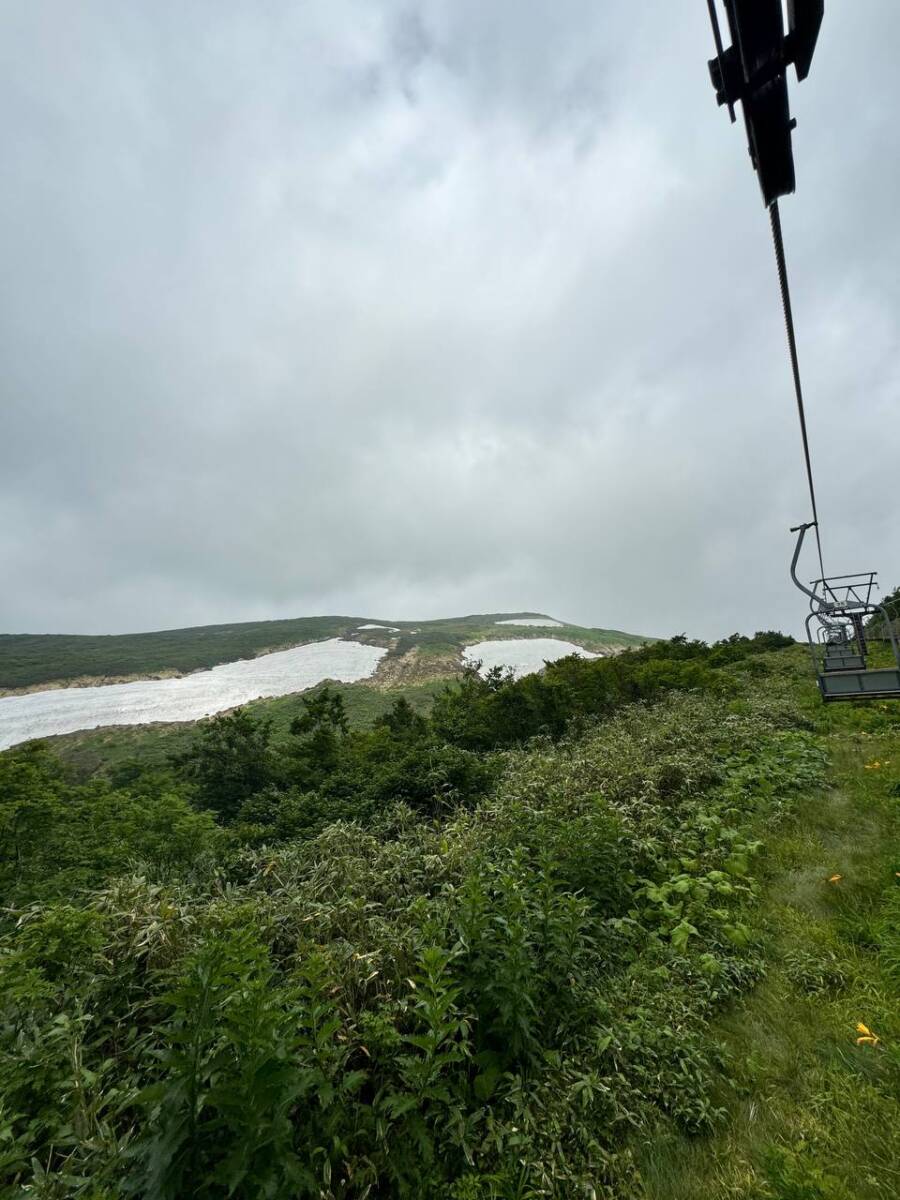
[
  {"x": 833, "y": 634},
  {"x": 837, "y": 603},
  {"x": 837, "y": 646}
]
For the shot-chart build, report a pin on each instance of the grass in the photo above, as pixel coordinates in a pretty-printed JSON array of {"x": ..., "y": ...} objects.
[
  {"x": 28, "y": 660},
  {"x": 811, "y": 1114}
]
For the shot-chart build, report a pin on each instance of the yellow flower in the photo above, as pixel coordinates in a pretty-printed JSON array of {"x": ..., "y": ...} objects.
[
  {"x": 872, "y": 766},
  {"x": 868, "y": 1037},
  {"x": 835, "y": 878}
]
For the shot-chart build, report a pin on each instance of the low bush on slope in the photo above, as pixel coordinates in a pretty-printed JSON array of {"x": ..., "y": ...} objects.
[{"x": 485, "y": 997}]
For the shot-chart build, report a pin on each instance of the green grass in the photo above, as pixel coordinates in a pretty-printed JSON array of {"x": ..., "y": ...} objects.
[
  {"x": 811, "y": 1114},
  {"x": 28, "y": 660}
]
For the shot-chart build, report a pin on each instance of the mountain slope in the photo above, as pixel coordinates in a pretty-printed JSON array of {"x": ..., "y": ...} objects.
[
  {"x": 651, "y": 953},
  {"x": 30, "y": 660}
]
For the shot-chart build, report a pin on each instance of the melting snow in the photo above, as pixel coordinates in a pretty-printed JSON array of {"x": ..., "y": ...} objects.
[
  {"x": 543, "y": 621},
  {"x": 523, "y": 656},
  {"x": 389, "y": 628},
  {"x": 64, "y": 710}
]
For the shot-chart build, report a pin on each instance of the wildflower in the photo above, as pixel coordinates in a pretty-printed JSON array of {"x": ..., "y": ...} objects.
[
  {"x": 868, "y": 1038},
  {"x": 835, "y": 878},
  {"x": 872, "y": 766}
]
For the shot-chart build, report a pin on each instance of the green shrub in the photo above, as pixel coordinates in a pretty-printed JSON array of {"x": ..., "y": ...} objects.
[
  {"x": 57, "y": 837},
  {"x": 492, "y": 970}
]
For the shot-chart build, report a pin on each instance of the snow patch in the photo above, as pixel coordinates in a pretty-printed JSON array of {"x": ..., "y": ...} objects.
[
  {"x": 522, "y": 656},
  {"x": 200, "y": 694},
  {"x": 542, "y": 621}
]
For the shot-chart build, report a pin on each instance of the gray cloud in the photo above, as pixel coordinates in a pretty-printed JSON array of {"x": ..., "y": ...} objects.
[{"x": 409, "y": 309}]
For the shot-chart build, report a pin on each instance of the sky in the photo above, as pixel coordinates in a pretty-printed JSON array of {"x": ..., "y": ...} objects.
[{"x": 413, "y": 309}]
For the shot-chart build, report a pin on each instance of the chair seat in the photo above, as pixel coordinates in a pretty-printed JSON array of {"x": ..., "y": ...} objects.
[{"x": 880, "y": 683}]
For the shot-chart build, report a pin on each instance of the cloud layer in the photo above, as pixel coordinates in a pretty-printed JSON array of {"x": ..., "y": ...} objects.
[{"x": 407, "y": 310}]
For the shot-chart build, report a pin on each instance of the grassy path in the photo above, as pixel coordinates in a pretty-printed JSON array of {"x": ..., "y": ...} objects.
[{"x": 812, "y": 1114}]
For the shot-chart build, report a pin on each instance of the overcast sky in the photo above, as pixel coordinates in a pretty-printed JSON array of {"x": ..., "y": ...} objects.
[{"x": 416, "y": 309}]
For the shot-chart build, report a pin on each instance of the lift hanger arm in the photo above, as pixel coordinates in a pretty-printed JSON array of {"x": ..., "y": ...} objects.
[{"x": 822, "y": 606}]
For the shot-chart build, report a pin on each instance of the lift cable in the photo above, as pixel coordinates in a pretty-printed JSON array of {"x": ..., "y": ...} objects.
[{"x": 795, "y": 365}]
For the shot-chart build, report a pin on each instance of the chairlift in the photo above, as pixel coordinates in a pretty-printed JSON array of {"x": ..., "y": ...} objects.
[
  {"x": 753, "y": 71},
  {"x": 837, "y": 644},
  {"x": 833, "y": 634},
  {"x": 839, "y": 604},
  {"x": 840, "y": 652}
]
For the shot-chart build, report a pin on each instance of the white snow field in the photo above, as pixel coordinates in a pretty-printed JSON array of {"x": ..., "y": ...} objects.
[
  {"x": 389, "y": 628},
  {"x": 523, "y": 656},
  {"x": 542, "y": 621},
  {"x": 64, "y": 710}
]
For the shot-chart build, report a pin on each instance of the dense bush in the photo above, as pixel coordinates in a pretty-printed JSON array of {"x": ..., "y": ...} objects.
[
  {"x": 328, "y": 772},
  {"x": 57, "y": 836},
  {"x": 479, "y": 991}
]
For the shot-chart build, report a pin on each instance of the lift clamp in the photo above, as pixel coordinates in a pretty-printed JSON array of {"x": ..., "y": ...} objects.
[{"x": 753, "y": 70}]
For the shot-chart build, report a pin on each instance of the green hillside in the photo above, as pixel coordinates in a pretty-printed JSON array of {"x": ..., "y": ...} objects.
[
  {"x": 627, "y": 929},
  {"x": 27, "y": 660}
]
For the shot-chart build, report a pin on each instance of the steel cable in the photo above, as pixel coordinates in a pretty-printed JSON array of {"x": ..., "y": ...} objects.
[{"x": 775, "y": 218}]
